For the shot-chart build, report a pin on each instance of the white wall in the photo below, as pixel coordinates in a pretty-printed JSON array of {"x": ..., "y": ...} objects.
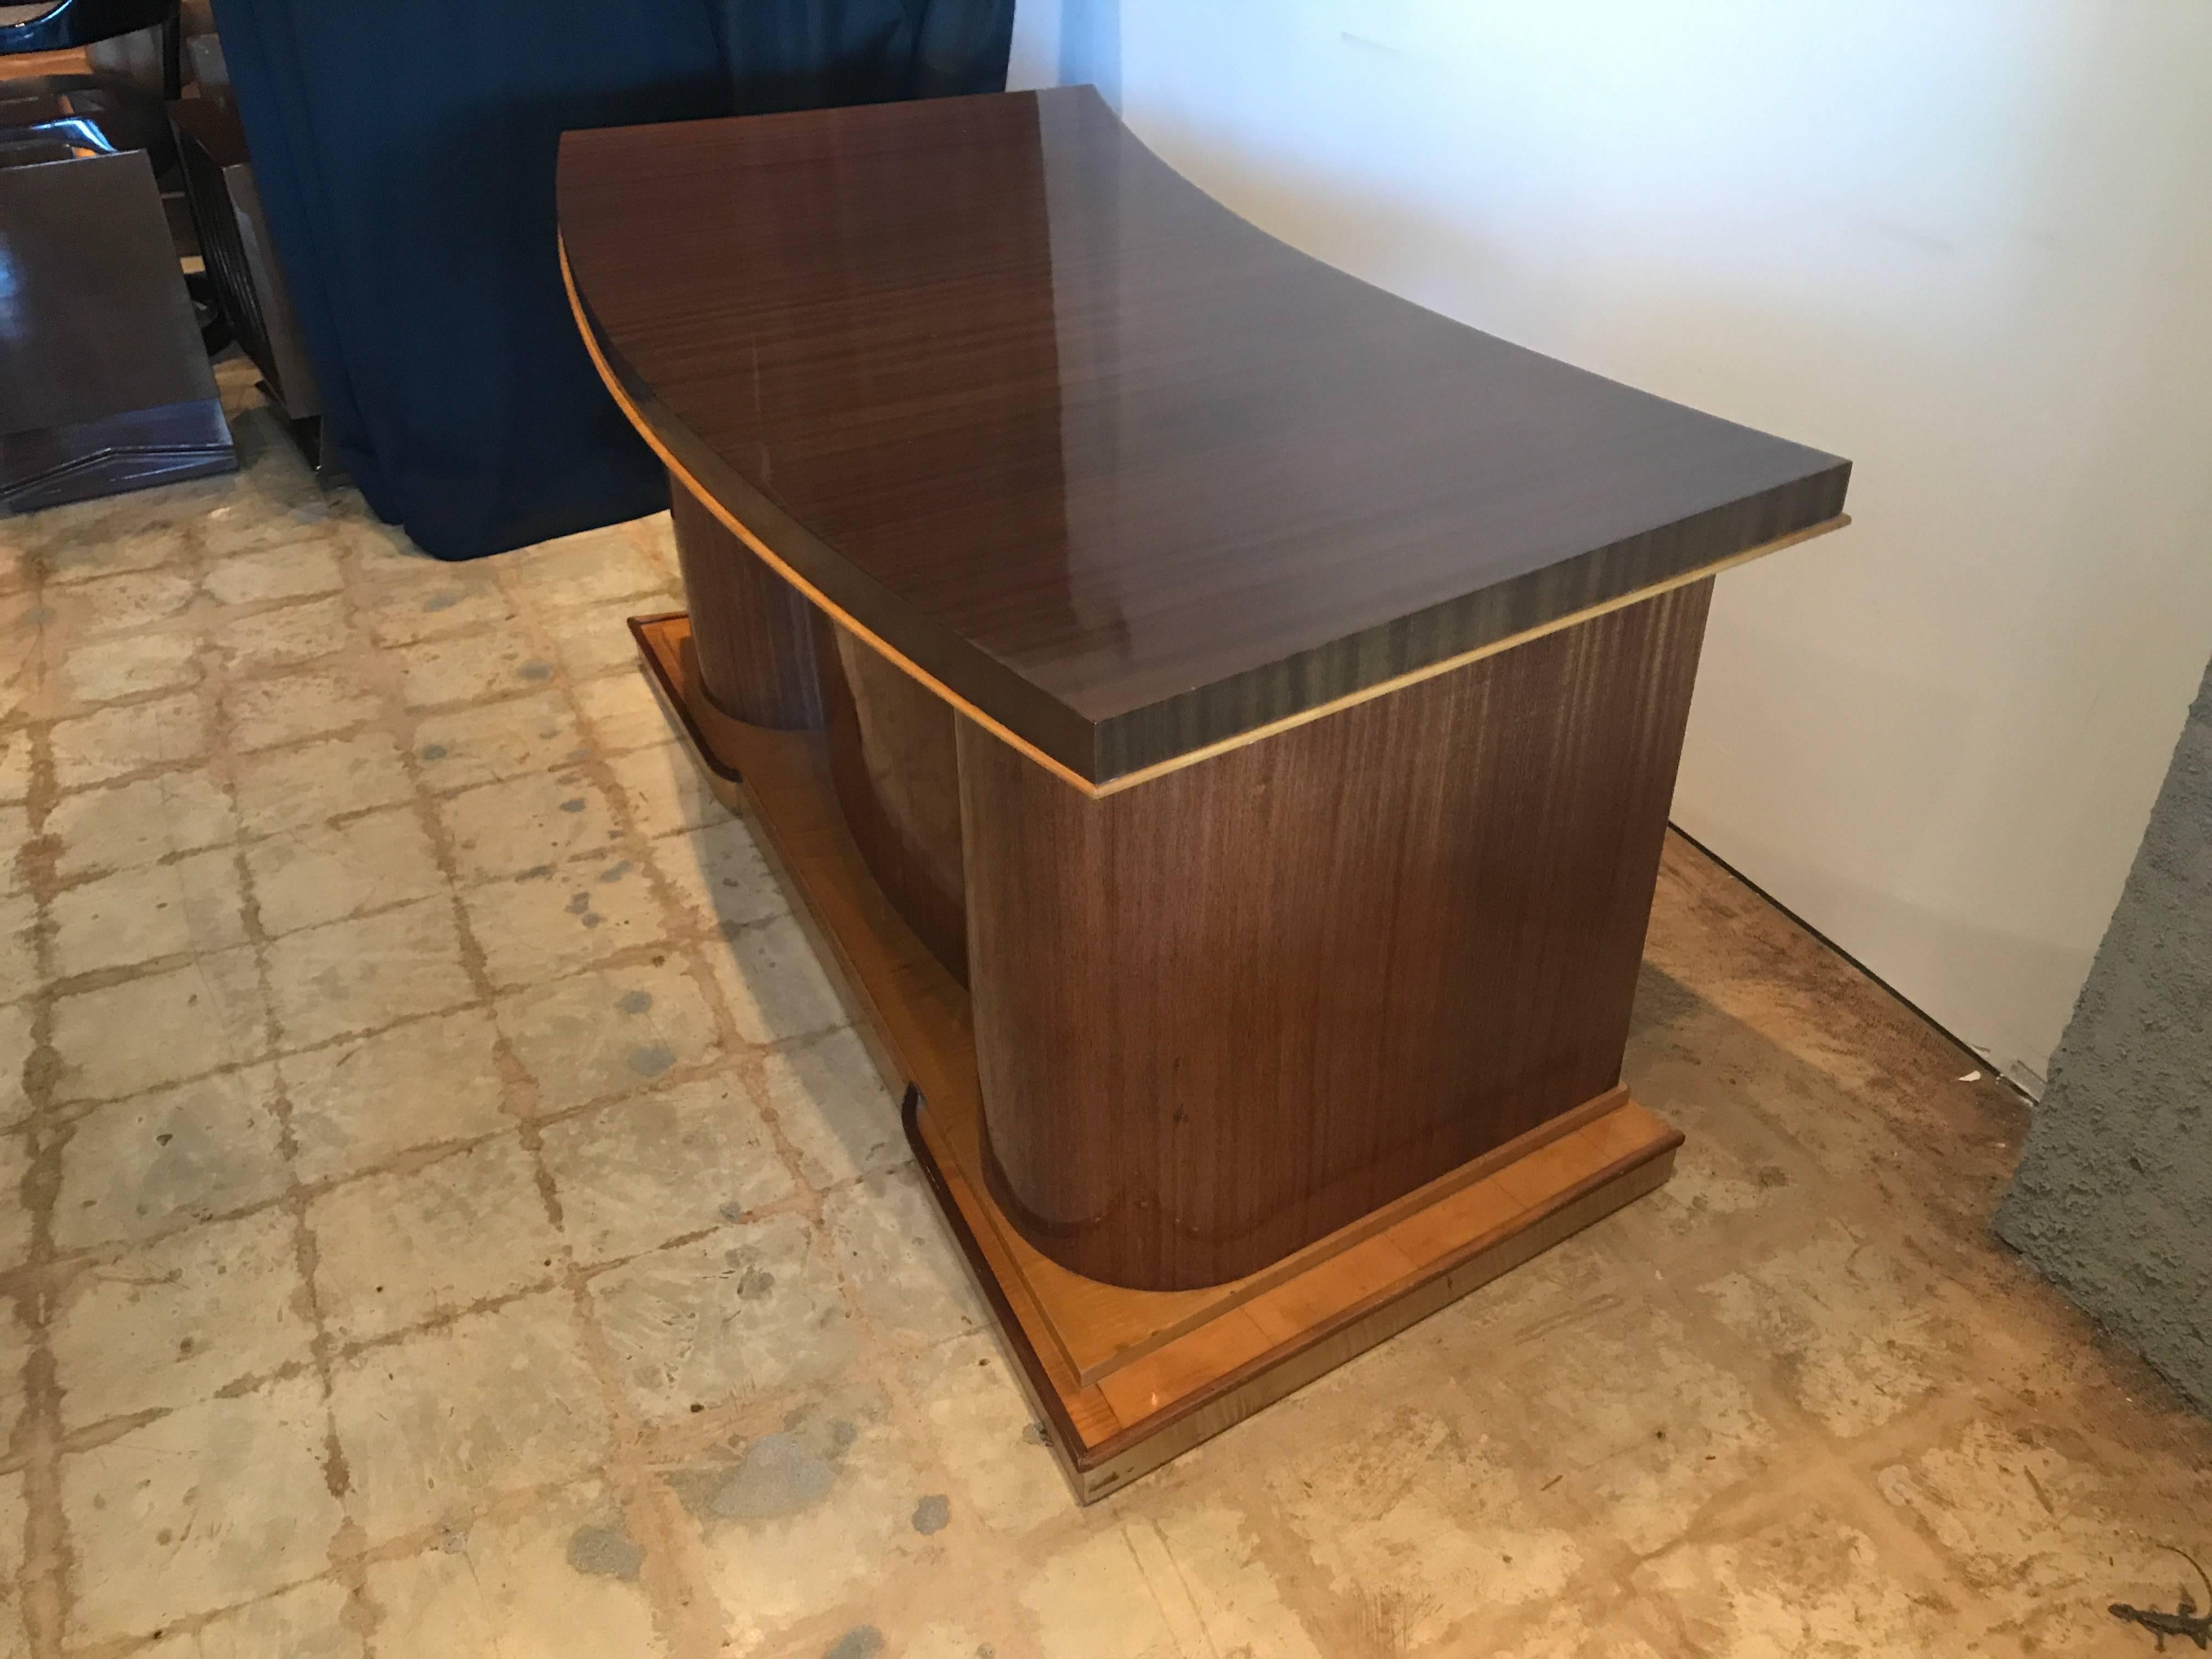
[{"x": 1967, "y": 245}]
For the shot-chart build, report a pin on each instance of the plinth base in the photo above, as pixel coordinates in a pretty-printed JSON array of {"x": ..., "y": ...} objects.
[{"x": 1126, "y": 1380}]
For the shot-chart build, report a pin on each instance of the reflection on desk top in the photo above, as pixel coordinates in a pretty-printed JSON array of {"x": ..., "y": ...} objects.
[{"x": 1110, "y": 464}]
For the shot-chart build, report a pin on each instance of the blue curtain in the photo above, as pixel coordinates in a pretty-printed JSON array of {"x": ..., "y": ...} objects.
[{"x": 404, "y": 152}]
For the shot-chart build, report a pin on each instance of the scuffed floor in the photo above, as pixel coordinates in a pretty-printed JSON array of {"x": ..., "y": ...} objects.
[{"x": 447, "y": 1213}]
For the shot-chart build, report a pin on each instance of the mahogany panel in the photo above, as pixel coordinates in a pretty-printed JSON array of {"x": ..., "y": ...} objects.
[
  {"x": 1108, "y": 462},
  {"x": 1224, "y": 1013},
  {"x": 897, "y": 778},
  {"x": 753, "y": 632}
]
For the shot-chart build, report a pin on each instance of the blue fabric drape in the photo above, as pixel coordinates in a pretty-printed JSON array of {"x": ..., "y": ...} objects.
[{"x": 404, "y": 151}]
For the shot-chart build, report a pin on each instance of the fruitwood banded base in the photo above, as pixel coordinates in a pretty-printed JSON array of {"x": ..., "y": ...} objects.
[{"x": 1127, "y": 1379}]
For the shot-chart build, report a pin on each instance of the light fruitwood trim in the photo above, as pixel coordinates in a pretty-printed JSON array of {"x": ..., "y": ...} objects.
[
  {"x": 1135, "y": 1452},
  {"x": 1445, "y": 664},
  {"x": 767, "y": 557},
  {"x": 1103, "y": 1329}
]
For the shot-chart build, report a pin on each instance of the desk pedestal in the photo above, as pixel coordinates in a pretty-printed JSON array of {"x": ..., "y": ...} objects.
[{"x": 1126, "y": 1376}]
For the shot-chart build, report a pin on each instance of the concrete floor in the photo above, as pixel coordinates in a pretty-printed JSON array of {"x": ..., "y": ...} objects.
[{"x": 452, "y": 1218}]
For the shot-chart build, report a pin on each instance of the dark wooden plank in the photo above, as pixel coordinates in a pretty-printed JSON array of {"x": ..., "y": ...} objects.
[
  {"x": 104, "y": 383},
  {"x": 1106, "y": 462}
]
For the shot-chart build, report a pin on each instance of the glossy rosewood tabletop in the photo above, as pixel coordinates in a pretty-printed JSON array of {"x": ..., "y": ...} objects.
[{"x": 1123, "y": 472}]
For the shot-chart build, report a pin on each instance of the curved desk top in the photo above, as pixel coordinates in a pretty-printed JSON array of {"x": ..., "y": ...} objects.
[{"x": 1107, "y": 466}]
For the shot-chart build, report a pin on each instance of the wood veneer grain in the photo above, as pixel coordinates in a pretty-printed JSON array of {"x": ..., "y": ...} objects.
[
  {"x": 898, "y": 775},
  {"x": 1227, "y": 1013},
  {"x": 1110, "y": 464},
  {"x": 754, "y": 632}
]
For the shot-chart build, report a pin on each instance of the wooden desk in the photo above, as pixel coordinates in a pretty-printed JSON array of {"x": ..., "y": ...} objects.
[{"x": 1221, "y": 717}]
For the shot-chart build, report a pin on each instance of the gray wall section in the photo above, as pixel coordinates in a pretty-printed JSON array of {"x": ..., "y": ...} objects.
[{"x": 2112, "y": 1201}]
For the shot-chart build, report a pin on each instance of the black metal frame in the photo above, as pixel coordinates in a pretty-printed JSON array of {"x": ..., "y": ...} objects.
[{"x": 245, "y": 275}]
